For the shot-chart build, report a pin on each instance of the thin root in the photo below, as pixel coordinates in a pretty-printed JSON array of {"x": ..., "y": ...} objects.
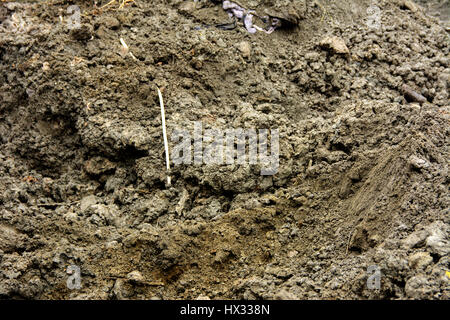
[
  {"x": 324, "y": 11},
  {"x": 122, "y": 3}
]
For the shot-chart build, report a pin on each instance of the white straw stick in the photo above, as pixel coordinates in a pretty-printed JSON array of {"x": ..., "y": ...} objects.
[{"x": 166, "y": 144}]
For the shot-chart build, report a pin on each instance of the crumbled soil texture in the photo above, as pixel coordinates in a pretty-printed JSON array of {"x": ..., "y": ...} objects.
[{"x": 363, "y": 173}]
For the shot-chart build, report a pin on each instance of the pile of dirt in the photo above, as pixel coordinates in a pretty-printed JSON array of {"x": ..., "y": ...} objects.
[{"x": 362, "y": 178}]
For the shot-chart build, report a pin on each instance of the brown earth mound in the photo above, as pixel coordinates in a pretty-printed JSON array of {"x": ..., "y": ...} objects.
[{"x": 363, "y": 167}]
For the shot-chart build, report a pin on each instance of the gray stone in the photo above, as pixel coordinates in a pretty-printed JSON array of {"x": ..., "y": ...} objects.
[
  {"x": 87, "y": 202},
  {"x": 245, "y": 48},
  {"x": 10, "y": 238},
  {"x": 418, "y": 163},
  {"x": 336, "y": 44},
  {"x": 418, "y": 287},
  {"x": 437, "y": 241},
  {"x": 415, "y": 239},
  {"x": 135, "y": 276}
]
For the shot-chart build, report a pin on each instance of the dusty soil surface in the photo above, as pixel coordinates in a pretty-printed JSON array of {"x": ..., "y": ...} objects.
[{"x": 363, "y": 174}]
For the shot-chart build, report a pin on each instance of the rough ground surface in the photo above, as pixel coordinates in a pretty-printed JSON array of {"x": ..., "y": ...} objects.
[{"x": 363, "y": 177}]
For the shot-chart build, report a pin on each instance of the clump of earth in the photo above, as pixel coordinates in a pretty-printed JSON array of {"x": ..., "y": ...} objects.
[{"x": 362, "y": 183}]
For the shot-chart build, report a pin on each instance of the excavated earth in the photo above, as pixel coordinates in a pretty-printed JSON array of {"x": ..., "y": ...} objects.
[{"x": 363, "y": 174}]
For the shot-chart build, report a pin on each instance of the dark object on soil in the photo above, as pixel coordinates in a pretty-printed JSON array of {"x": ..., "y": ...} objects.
[
  {"x": 411, "y": 95},
  {"x": 285, "y": 19},
  {"x": 281, "y": 22},
  {"x": 223, "y": 26},
  {"x": 273, "y": 19},
  {"x": 81, "y": 34},
  {"x": 226, "y": 26}
]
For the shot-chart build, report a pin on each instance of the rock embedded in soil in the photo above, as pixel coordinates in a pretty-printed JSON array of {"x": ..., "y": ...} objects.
[
  {"x": 420, "y": 260},
  {"x": 10, "y": 239},
  {"x": 416, "y": 239},
  {"x": 335, "y": 44},
  {"x": 136, "y": 276},
  {"x": 418, "y": 163},
  {"x": 245, "y": 48},
  {"x": 87, "y": 202},
  {"x": 411, "y": 95},
  {"x": 408, "y": 4}
]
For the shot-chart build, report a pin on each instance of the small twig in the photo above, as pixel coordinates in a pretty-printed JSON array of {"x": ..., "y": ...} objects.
[
  {"x": 148, "y": 283},
  {"x": 56, "y": 204},
  {"x": 108, "y": 4},
  {"x": 348, "y": 242},
  {"x": 166, "y": 144},
  {"x": 121, "y": 5}
]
